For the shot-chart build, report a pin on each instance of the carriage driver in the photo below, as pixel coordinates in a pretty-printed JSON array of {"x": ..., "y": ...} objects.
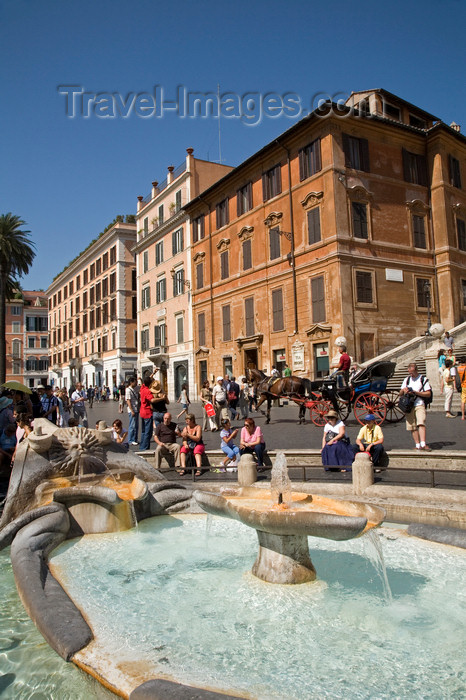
[{"x": 344, "y": 364}]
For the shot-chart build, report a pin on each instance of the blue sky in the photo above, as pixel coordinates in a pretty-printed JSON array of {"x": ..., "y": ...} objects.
[{"x": 68, "y": 177}]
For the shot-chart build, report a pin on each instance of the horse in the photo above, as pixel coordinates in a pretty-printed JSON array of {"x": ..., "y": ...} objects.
[{"x": 269, "y": 388}]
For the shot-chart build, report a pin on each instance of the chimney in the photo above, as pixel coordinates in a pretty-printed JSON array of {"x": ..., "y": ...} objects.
[
  {"x": 170, "y": 174},
  {"x": 455, "y": 127},
  {"x": 189, "y": 159},
  {"x": 140, "y": 204},
  {"x": 154, "y": 189}
]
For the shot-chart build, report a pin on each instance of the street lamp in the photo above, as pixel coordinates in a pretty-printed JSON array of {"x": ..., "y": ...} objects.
[{"x": 427, "y": 294}]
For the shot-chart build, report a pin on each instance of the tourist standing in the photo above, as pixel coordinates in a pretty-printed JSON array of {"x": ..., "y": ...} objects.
[
  {"x": 121, "y": 397},
  {"x": 287, "y": 371},
  {"x": 233, "y": 397},
  {"x": 449, "y": 386},
  {"x": 419, "y": 385},
  {"x": 90, "y": 396},
  {"x": 243, "y": 403},
  {"x": 145, "y": 412},
  {"x": 183, "y": 399},
  {"x": 132, "y": 403},
  {"x": 219, "y": 398},
  {"x": 49, "y": 405},
  {"x": 78, "y": 397},
  {"x": 206, "y": 398}
]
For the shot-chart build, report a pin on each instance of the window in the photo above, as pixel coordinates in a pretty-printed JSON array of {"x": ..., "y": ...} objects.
[
  {"x": 134, "y": 282},
  {"x": 104, "y": 288},
  {"x": 104, "y": 343},
  {"x": 309, "y": 160},
  {"x": 249, "y": 316},
  {"x": 415, "y": 121},
  {"x": 461, "y": 232},
  {"x": 226, "y": 323},
  {"x": 98, "y": 266},
  {"x": 247, "y": 256},
  {"x": 113, "y": 255},
  {"x": 178, "y": 282},
  {"x": 65, "y": 292},
  {"x": 105, "y": 313},
  {"x": 199, "y": 275},
  {"x": 160, "y": 335},
  {"x": 161, "y": 290},
  {"x": 31, "y": 364},
  {"x": 134, "y": 308},
  {"x": 244, "y": 199},
  {"x": 77, "y": 304},
  {"x": 274, "y": 240},
  {"x": 318, "y": 299},
  {"x": 359, "y": 214},
  {"x": 36, "y": 323},
  {"x": 70, "y": 288},
  {"x": 145, "y": 225},
  {"x": 59, "y": 297},
  {"x": 414, "y": 168},
  {"x": 144, "y": 339},
  {"x": 85, "y": 276},
  {"x": 113, "y": 313},
  {"x": 16, "y": 348},
  {"x": 84, "y": 300},
  {"x": 423, "y": 292},
  {"x": 277, "y": 309},
  {"x": 454, "y": 172},
  {"x": 159, "y": 252},
  {"x": 224, "y": 265},
  {"x": 31, "y": 342},
  {"x": 356, "y": 153},
  {"x": 104, "y": 261},
  {"x": 16, "y": 367},
  {"x": 91, "y": 295},
  {"x": 364, "y": 287},
  {"x": 113, "y": 282},
  {"x": 84, "y": 323},
  {"x": 15, "y": 310},
  {"x": 180, "y": 329},
  {"x": 463, "y": 292},
  {"x": 145, "y": 297},
  {"x": 419, "y": 233},
  {"x": 76, "y": 326},
  {"x": 177, "y": 241},
  {"x": 201, "y": 329},
  {"x": 92, "y": 319},
  {"x": 70, "y": 330},
  {"x": 16, "y": 327},
  {"x": 222, "y": 213},
  {"x": 178, "y": 200},
  {"x": 98, "y": 291},
  {"x": 44, "y": 342},
  {"x": 271, "y": 182},
  {"x": 145, "y": 261},
  {"x": 313, "y": 226},
  {"x": 92, "y": 271},
  {"x": 198, "y": 228},
  {"x": 391, "y": 111},
  {"x": 160, "y": 214},
  {"x": 113, "y": 340}
]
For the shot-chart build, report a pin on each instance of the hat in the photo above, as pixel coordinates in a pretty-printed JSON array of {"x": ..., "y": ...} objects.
[
  {"x": 4, "y": 402},
  {"x": 220, "y": 379},
  {"x": 332, "y": 414},
  {"x": 370, "y": 416},
  {"x": 40, "y": 386}
]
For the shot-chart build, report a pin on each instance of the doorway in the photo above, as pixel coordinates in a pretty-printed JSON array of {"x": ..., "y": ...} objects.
[
  {"x": 181, "y": 376},
  {"x": 366, "y": 346},
  {"x": 250, "y": 358}
]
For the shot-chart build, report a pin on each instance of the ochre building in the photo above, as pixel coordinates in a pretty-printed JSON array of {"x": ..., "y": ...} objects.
[{"x": 351, "y": 223}]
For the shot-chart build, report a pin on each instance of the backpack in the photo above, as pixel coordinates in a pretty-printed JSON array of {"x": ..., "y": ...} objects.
[
  {"x": 427, "y": 400},
  {"x": 406, "y": 402},
  {"x": 459, "y": 380}
]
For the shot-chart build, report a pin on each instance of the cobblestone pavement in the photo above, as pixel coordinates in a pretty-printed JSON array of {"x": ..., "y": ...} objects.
[{"x": 283, "y": 431}]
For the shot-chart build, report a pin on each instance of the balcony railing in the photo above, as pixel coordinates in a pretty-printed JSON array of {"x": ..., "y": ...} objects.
[
  {"x": 164, "y": 184},
  {"x": 157, "y": 351}
]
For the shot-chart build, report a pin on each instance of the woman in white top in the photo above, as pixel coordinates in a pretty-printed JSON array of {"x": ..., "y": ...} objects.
[
  {"x": 119, "y": 435},
  {"x": 336, "y": 448}
]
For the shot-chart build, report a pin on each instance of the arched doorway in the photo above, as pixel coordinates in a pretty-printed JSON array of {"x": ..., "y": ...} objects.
[{"x": 181, "y": 376}]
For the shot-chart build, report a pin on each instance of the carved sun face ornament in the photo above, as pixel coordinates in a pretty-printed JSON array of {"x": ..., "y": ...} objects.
[{"x": 77, "y": 451}]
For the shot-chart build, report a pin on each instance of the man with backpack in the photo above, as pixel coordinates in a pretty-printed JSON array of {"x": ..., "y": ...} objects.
[
  {"x": 418, "y": 385},
  {"x": 219, "y": 400}
]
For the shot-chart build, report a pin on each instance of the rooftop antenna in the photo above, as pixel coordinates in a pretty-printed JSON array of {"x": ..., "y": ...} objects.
[{"x": 219, "y": 136}]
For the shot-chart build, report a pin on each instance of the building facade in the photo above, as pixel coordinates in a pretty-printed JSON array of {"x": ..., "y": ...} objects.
[
  {"x": 27, "y": 343},
  {"x": 92, "y": 313},
  {"x": 163, "y": 259},
  {"x": 351, "y": 223}
]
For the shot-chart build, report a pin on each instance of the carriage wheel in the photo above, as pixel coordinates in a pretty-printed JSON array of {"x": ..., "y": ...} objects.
[
  {"x": 344, "y": 408},
  {"x": 394, "y": 413},
  {"x": 318, "y": 410},
  {"x": 370, "y": 403}
]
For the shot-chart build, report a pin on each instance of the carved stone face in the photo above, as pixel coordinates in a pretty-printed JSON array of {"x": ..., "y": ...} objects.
[{"x": 77, "y": 451}]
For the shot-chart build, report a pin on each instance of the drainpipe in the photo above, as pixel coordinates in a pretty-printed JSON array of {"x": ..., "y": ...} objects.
[{"x": 292, "y": 259}]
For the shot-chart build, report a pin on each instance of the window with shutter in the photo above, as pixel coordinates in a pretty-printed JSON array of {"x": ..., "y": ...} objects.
[
  {"x": 271, "y": 183},
  {"x": 364, "y": 287},
  {"x": 244, "y": 199},
  {"x": 198, "y": 228},
  {"x": 159, "y": 252},
  {"x": 423, "y": 292},
  {"x": 455, "y": 172},
  {"x": 177, "y": 241},
  {"x": 313, "y": 225},
  {"x": 414, "y": 168},
  {"x": 277, "y": 309},
  {"x": 359, "y": 211},
  {"x": 274, "y": 236},
  {"x": 145, "y": 261},
  {"x": 249, "y": 316},
  {"x": 318, "y": 299},
  {"x": 178, "y": 200},
  {"x": 461, "y": 232},
  {"x": 179, "y": 329},
  {"x": 224, "y": 265},
  {"x": 199, "y": 275},
  {"x": 419, "y": 233},
  {"x": 247, "y": 256},
  {"x": 356, "y": 152},
  {"x": 160, "y": 214},
  {"x": 222, "y": 213},
  {"x": 157, "y": 336},
  {"x": 310, "y": 160},
  {"x": 201, "y": 329},
  {"x": 226, "y": 323}
]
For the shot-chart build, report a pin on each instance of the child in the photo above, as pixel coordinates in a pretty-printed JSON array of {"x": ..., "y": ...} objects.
[
  {"x": 184, "y": 400},
  {"x": 228, "y": 447}
]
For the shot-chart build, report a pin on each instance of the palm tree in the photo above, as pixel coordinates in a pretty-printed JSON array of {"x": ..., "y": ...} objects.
[{"x": 16, "y": 256}]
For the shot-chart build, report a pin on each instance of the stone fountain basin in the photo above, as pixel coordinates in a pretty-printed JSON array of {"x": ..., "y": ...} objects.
[{"x": 305, "y": 514}]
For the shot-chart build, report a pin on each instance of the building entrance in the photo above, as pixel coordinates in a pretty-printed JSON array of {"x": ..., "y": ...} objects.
[
  {"x": 181, "y": 376},
  {"x": 250, "y": 358}
]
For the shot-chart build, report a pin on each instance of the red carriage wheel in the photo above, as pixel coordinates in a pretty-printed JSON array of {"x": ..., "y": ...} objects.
[
  {"x": 369, "y": 402},
  {"x": 318, "y": 410},
  {"x": 394, "y": 413}
]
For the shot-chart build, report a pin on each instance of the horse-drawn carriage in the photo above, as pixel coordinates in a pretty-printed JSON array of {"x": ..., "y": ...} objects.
[{"x": 365, "y": 393}]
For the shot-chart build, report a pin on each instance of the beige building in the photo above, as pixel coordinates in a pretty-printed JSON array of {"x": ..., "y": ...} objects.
[
  {"x": 27, "y": 342},
  {"x": 92, "y": 312},
  {"x": 163, "y": 260}
]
